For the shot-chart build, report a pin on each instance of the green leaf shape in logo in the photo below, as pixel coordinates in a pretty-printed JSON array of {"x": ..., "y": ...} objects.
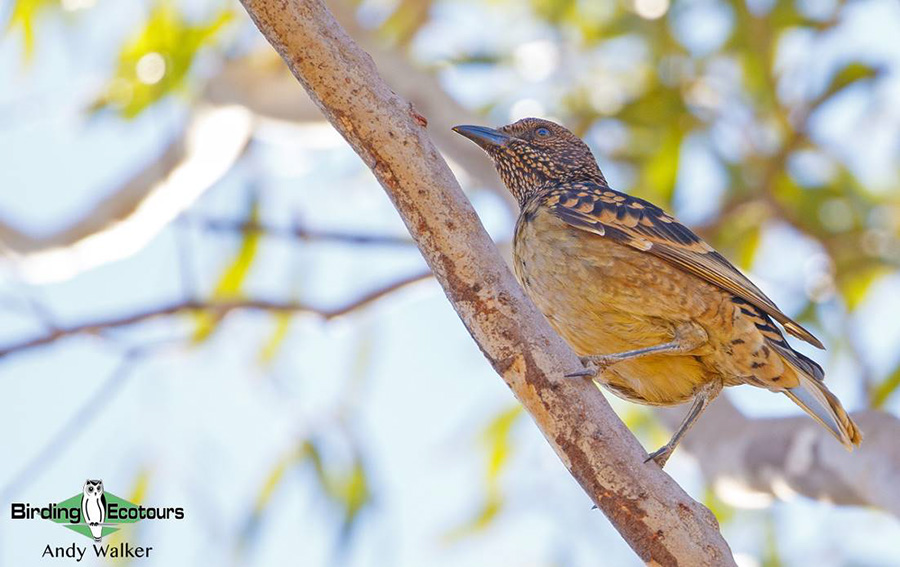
[{"x": 83, "y": 528}]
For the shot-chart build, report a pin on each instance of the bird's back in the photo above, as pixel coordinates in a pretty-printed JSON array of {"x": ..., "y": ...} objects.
[
  {"x": 605, "y": 298},
  {"x": 595, "y": 262}
]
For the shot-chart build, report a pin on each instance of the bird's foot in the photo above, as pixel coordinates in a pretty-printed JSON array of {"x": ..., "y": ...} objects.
[
  {"x": 95, "y": 524},
  {"x": 593, "y": 365},
  {"x": 661, "y": 455}
]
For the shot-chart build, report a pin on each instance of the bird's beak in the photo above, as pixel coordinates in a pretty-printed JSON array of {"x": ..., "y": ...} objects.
[{"x": 487, "y": 138}]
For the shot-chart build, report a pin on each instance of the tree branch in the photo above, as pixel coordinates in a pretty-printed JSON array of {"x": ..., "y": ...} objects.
[
  {"x": 654, "y": 515},
  {"x": 262, "y": 88},
  {"x": 217, "y": 308},
  {"x": 266, "y": 89},
  {"x": 302, "y": 233},
  {"x": 782, "y": 456},
  {"x": 137, "y": 210}
]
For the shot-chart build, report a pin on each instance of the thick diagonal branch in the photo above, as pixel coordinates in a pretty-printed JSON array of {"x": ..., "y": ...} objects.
[{"x": 654, "y": 515}]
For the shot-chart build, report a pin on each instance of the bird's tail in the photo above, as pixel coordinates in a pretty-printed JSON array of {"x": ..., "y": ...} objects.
[{"x": 813, "y": 396}]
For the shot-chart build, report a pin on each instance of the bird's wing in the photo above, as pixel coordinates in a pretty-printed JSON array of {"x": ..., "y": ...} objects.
[{"x": 644, "y": 226}]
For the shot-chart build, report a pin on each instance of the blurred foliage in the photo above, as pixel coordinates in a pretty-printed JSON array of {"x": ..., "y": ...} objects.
[
  {"x": 156, "y": 59},
  {"x": 496, "y": 440},
  {"x": 644, "y": 425},
  {"x": 24, "y": 15},
  {"x": 405, "y": 20},
  {"x": 272, "y": 345},
  {"x": 345, "y": 486},
  {"x": 770, "y": 556},
  {"x": 884, "y": 390},
  {"x": 232, "y": 279},
  {"x": 723, "y": 511},
  {"x": 676, "y": 91}
]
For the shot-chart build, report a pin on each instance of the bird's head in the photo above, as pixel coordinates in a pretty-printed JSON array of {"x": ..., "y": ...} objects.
[{"x": 533, "y": 154}]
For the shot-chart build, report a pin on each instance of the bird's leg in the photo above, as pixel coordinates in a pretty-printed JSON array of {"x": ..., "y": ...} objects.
[
  {"x": 688, "y": 336},
  {"x": 704, "y": 396},
  {"x": 597, "y": 363}
]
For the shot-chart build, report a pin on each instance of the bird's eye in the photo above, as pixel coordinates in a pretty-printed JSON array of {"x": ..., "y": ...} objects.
[{"x": 542, "y": 132}]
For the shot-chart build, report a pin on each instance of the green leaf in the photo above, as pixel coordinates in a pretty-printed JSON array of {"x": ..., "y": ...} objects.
[
  {"x": 272, "y": 482},
  {"x": 353, "y": 493},
  {"x": 482, "y": 519},
  {"x": 656, "y": 108},
  {"x": 748, "y": 246},
  {"x": 24, "y": 15},
  {"x": 883, "y": 391},
  {"x": 771, "y": 557},
  {"x": 156, "y": 59},
  {"x": 645, "y": 425},
  {"x": 660, "y": 171},
  {"x": 855, "y": 285},
  {"x": 723, "y": 511},
  {"x": 270, "y": 348},
  {"x": 847, "y": 75},
  {"x": 349, "y": 489},
  {"x": 406, "y": 20},
  {"x": 346, "y": 487},
  {"x": 496, "y": 437},
  {"x": 232, "y": 279},
  {"x": 555, "y": 11}
]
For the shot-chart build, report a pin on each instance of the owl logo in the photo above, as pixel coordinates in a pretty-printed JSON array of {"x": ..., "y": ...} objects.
[{"x": 93, "y": 506}]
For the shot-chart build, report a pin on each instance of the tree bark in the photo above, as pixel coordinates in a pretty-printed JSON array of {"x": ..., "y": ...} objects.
[{"x": 654, "y": 515}]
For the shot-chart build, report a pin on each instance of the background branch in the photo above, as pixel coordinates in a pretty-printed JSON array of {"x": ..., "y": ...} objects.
[
  {"x": 299, "y": 232},
  {"x": 782, "y": 457},
  {"x": 137, "y": 210},
  {"x": 660, "y": 522},
  {"x": 262, "y": 85},
  {"x": 216, "y": 308}
]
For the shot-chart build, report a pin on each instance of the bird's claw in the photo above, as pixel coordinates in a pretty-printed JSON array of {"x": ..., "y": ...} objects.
[
  {"x": 583, "y": 373},
  {"x": 660, "y": 456},
  {"x": 593, "y": 365}
]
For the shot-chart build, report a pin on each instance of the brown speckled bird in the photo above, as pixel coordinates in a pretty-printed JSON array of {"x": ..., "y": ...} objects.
[{"x": 656, "y": 314}]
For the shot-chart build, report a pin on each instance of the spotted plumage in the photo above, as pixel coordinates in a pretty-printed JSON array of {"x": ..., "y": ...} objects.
[{"x": 657, "y": 314}]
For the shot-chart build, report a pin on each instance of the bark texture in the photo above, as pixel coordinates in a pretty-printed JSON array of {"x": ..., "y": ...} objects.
[{"x": 654, "y": 515}]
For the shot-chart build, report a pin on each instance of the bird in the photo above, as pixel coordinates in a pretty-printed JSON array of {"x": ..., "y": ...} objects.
[
  {"x": 656, "y": 315},
  {"x": 93, "y": 506}
]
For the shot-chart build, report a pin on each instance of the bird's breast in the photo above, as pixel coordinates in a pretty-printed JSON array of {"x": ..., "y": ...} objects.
[{"x": 603, "y": 297}]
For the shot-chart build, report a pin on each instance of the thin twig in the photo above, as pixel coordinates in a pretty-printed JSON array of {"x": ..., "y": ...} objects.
[
  {"x": 302, "y": 233},
  {"x": 77, "y": 422},
  {"x": 217, "y": 308}
]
